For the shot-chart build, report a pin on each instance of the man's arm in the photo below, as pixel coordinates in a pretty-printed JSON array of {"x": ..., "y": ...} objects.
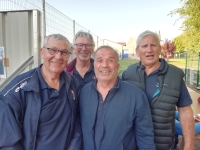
[
  {"x": 9, "y": 126},
  {"x": 76, "y": 141},
  {"x": 187, "y": 125},
  {"x": 197, "y": 117}
]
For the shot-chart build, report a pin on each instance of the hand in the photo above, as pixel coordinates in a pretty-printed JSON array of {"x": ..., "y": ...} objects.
[{"x": 197, "y": 117}]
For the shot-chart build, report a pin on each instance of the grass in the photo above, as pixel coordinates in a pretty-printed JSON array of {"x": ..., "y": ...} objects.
[
  {"x": 181, "y": 63},
  {"x": 124, "y": 63},
  {"x": 177, "y": 62}
]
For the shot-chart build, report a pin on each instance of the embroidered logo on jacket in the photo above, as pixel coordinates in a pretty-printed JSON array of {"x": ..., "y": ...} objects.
[
  {"x": 73, "y": 94},
  {"x": 21, "y": 86}
]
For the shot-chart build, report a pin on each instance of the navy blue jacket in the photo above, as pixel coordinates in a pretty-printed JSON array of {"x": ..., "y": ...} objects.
[
  {"x": 127, "y": 121},
  {"x": 20, "y": 107}
]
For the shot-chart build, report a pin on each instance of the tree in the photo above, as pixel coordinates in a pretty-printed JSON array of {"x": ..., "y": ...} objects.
[
  {"x": 178, "y": 42},
  {"x": 188, "y": 41},
  {"x": 190, "y": 14},
  {"x": 168, "y": 49}
]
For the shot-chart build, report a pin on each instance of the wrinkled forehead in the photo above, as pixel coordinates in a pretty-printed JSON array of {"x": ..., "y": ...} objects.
[
  {"x": 83, "y": 39},
  {"x": 106, "y": 53},
  {"x": 147, "y": 38},
  {"x": 58, "y": 43}
]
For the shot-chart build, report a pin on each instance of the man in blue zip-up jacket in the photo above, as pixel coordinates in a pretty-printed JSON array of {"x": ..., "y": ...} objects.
[
  {"x": 114, "y": 115},
  {"x": 37, "y": 109}
]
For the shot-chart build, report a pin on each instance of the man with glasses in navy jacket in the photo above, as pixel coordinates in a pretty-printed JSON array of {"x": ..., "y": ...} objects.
[{"x": 37, "y": 108}]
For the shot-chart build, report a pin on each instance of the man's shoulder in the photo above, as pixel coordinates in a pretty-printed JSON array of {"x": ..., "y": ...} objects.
[
  {"x": 87, "y": 88},
  {"x": 175, "y": 71},
  {"x": 73, "y": 82},
  {"x": 130, "y": 72},
  {"x": 92, "y": 60},
  {"x": 70, "y": 66},
  {"x": 130, "y": 87},
  {"x": 88, "y": 85},
  {"x": 175, "y": 68},
  {"x": 131, "y": 92},
  {"x": 169, "y": 67},
  {"x": 69, "y": 77},
  {"x": 18, "y": 82},
  {"x": 132, "y": 66}
]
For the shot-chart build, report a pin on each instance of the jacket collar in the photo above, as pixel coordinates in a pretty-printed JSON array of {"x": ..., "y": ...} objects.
[
  {"x": 70, "y": 66},
  {"x": 163, "y": 66},
  {"x": 33, "y": 83},
  {"x": 116, "y": 86}
]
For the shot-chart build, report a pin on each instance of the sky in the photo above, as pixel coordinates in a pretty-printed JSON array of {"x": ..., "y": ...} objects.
[{"x": 119, "y": 20}]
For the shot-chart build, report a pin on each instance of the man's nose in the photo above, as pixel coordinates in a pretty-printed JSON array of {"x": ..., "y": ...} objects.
[
  {"x": 59, "y": 54},
  {"x": 149, "y": 48},
  {"x": 84, "y": 47},
  {"x": 105, "y": 63}
]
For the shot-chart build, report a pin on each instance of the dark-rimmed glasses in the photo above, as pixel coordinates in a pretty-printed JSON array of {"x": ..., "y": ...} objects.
[
  {"x": 81, "y": 45},
  {"x": 53, "y": 51}
]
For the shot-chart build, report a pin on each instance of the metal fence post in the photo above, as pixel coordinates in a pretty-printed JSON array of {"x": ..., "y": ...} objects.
[
  {"x": 74, "y": 28},
  {"x": 97, "y": 42},
  {"x": 186, "y": 63},
  {"x": 44, "y": 18},
  {"x": 198, "y": 70}
]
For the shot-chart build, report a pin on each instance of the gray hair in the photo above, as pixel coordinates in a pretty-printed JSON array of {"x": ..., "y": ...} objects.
[
  {"x": 145, "y": 33},
  {"x": 82, "y": 33},
  {"x": 107, "y": 47},
  {"x": 57, "y": 37}
]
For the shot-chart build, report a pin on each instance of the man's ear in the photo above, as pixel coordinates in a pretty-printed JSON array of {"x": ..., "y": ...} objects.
[
  {"x": 42, "y": 52},
  {"x": 73, "y": 49},
  {"x": 118, "y": 65},
  {"x": 137, "y": 52}
]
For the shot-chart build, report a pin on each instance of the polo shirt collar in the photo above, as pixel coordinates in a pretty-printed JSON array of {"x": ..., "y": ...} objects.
[
  {"x": 162, "y": 65},
  {"x": 160, "y": 68},
  {"x": 94, "y": 85},
  {"x": 43, "y": 84},
  {"x": 89, "y": 70}
]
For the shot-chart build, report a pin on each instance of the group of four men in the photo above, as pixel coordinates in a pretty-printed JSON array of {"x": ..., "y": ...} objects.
[{"x": 94, "y": 109}]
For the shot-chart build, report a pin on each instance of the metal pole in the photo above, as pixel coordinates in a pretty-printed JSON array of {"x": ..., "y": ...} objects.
[
  {"x": 97, "y": 42},
  {"x": 44, "y": 18},
  {"x": 186, "y": 63},
  {"x": 198, "y": 70},
  {"x": 74, "y": 28}
]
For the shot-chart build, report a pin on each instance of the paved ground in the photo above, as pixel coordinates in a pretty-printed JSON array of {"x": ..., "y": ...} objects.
[{"x": 196, "y": 142}]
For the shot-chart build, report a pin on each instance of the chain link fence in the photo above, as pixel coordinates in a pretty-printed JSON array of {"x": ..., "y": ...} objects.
[
  {"x": 55, "y": 21},
  {"x": 192, "y": 69}
]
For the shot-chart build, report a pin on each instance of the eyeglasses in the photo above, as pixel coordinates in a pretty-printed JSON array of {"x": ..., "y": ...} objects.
[
  {"x": 81, "y": 45},
  {"x": 52, "y": 51}
]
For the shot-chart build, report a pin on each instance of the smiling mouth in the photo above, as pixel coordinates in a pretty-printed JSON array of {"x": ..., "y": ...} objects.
[
  {"x": 86, "y": 53},
  {"x": 59, "y": 63},
  {"x": 105, "y": 71},
  {"x": 150, "y": 56}
]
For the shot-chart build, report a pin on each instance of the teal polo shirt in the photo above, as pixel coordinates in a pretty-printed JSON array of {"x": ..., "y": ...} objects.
[{"x": 152, "y": 87}]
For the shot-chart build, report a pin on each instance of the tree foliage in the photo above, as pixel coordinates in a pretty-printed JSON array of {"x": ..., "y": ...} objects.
[
  {"x": 190, "y": 14},
  {"x": 168, "y": 49},
  {"x": 180, "y": 46}
]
